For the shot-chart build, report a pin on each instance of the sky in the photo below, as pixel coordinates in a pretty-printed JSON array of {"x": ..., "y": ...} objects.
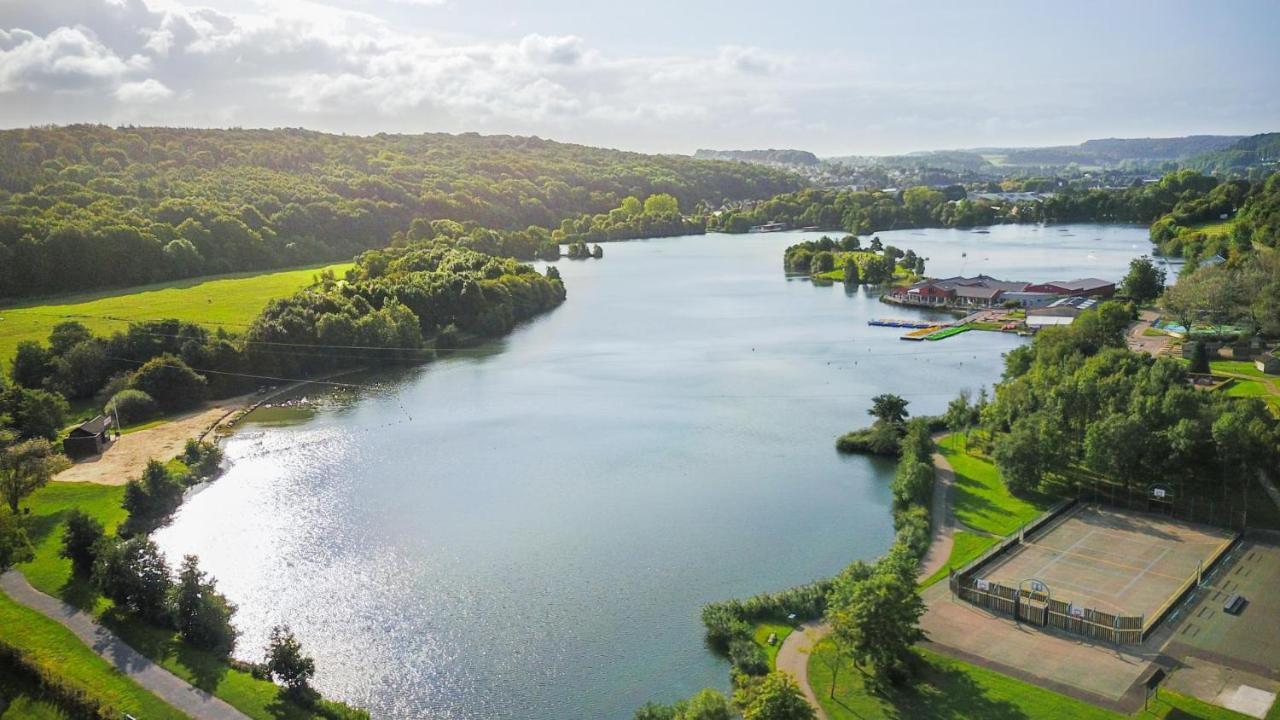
[{"x": 836, "y": 78}]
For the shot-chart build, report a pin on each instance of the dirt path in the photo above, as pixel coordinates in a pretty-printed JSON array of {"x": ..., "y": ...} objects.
[
  {"x": 128, "y": 455},
  {"x": 793, "y": 658},
  {"x": 168, "y": 687}
]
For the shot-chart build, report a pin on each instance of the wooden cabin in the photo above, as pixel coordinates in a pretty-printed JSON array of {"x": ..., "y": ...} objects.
[{"x": 89, "y": 438}]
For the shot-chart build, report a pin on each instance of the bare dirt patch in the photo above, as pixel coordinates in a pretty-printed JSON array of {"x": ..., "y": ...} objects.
[{"x": 128, "y": 455}]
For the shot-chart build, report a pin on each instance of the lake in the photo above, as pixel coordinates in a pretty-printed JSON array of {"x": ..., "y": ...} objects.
[{"x": 530, "y": 529}]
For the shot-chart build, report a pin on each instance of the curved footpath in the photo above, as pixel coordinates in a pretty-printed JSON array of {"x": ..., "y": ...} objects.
[
  {"x": 793, "y": 656},
  {"x": 168, "y": 687}
]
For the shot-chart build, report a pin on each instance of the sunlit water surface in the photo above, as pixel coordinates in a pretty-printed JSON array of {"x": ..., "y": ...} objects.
[{"x": 528, "y": 530}]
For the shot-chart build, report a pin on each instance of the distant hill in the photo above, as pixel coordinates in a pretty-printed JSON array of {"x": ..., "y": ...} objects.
[
  {"x": 1253, "y": 151},
  {"x": 1113, "y": 151},
  {"x": 779, "y": 157},
  {"x": 954, "y": 160}
]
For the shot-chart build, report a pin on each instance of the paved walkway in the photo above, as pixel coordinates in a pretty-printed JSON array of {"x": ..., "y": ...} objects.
[
  {"x": 944, "y": 520},
  {"x": 1140, "y": 342},
  {"x": 162, "y": 683},
  {"x": 793, "y": 658}
]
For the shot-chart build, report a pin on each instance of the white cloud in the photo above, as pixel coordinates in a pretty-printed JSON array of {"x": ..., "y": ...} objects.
[
  {"x": 67, "y": 58},
  {"x": 144, "y": 92}
]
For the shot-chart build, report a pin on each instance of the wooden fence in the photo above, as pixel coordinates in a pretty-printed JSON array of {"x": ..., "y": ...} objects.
[{"x": 1038, "y": 609}]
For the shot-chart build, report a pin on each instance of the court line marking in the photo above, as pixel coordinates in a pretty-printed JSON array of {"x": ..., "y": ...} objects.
[
  {"x": 1055, "y": 558},
  {"x": 1114, "y": 554},
  {"x": 1044, "y": 548},
  {"x": 1143, "y": 574}
]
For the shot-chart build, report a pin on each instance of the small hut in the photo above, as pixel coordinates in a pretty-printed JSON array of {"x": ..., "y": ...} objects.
[{"x": 89, "y": 438}]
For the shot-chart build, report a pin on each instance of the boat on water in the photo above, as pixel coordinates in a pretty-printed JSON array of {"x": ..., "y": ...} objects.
[{"x": 768, "y": 227}]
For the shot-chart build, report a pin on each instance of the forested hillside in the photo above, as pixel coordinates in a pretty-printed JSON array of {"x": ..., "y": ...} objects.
[
  {"x": 1257, "y": 154},
  {"x": 91, "y": 206},
  {"x": 862, "y": 212}
]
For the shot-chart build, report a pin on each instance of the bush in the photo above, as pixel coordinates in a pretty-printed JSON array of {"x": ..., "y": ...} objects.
[
  {"x": 172, "y": 384},
  {"x": 151, "y": 498},
  {"x": 73, "y": 700},
  {"x": 132, "y": 407},
  {"x": 15, "y": 547},
  {"x": 879, "y": 439},
  {"x": 80, "y": 539},
  {"x": 748, "y": 657}
]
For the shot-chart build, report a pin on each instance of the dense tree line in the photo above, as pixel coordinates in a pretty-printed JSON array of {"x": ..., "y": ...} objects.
[
  {"x": 848, "y": 261},
  {"x": 389, "y": 307},
  {"x": 89, "y": 206},
  {"x": 1077, "y": 398},
  {"x": 861, "y": 212}
]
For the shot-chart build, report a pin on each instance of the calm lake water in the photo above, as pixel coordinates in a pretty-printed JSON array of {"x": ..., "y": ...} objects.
[{"x": 529, "y": 529}]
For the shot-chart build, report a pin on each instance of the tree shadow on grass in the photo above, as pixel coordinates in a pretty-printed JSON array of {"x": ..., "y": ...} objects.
[
  {"x": 39, "y": 527},
  {"x": 943, "y": 692},
  {"x": 205, "y": 670},
  {"x": 79, "y": 592}
]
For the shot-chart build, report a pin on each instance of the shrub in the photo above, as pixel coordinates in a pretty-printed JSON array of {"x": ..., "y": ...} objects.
[
  {"x": 151, "y": 498},
  {"x": 748, "y": 657},
  {"x": 15, "y": 547},
  {"x": 131, "y": 406},
  {"x": 879, "y": 439},
  {"x": 172, "y": 384},
  {"x": 80, "y": 539}
]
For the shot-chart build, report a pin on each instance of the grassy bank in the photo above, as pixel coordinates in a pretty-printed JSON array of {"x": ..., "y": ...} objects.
[
  {"x": 949, "y": 688},
  {"x": 979, "y": 498},
  {"x": 61, "y": 653},
  {"x": 52, "y": 575},
  {"x": 233, "y": 300},
  {"x": 965, "y": 547},
  {"x": 761, "y": 636}
]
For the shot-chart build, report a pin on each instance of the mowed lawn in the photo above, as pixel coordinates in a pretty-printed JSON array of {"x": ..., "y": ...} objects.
[
  {"x": 233, "y": 300},
  {"x": 56, "y": 649},
  {"x": 965, "y": 547},
  {"x": 948, "y": 688},
  {"x": 979, "y": 498}
]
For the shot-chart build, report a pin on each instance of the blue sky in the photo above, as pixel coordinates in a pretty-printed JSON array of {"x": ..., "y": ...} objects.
[{"x": 664, "y": 76}]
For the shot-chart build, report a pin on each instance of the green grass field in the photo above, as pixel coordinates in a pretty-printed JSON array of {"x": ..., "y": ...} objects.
[
  {"x": 52, "y": 575},
  {"x": 58, "y": 650},
  {"x": 1237, "y": 367},
  {"x": 979, "y": 499},
  {"x": 948, "y": 688},
  {"x": 761, "y": 636},
  {"x": 233, "y": 300},
  {"x": 965, "y": 547},
  {"x": 1217, "y": 227}
]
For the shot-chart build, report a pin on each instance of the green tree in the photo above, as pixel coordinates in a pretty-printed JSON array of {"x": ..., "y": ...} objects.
[
  {"x": 132, "y": 573},
  {"x": 851, "y": 274},
  {"x": 1145, "y": 280},
  {"x": 25, "y": 466},
  {"x": 778, "y": 698},
  {"x": 201, "y": 614},
  {"x": 66, "y": 335},
  {"x": 889, "y": 409},
  {"x": 30, "y": 365},
  {"x": 285, "y": 661},
  {"x": 1018, "y": 456},
  {"x": 80, "y": 538},
  {"x": 34, "y": 413},
  {"x": 879, "y": 615},
  {"x": 151, "y": 497},
  {"x": 661, "y": 203},
  {"x": 170, "y": 382},
  {"x": 15, "y": 547}
]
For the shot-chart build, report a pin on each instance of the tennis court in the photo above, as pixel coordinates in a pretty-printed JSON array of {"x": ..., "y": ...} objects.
[{"x": 1113, "y": 561}]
